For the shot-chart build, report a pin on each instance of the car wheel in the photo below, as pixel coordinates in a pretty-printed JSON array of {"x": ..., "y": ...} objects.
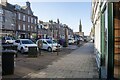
[
  {"x": 49, "y": 49},
  {"x": 22, "y": 50}
]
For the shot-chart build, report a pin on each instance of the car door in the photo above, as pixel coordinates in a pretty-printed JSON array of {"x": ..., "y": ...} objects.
[
  {"x": 45, "y": 45},
  {"x": 17, "y": 42}
]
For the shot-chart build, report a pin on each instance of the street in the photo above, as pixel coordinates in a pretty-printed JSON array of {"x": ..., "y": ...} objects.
[
  {"x": 80, "y": 63},
  {"x": 63, "y": 39}
]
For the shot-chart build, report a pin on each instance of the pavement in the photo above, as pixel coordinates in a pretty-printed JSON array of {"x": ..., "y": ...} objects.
[{"x": 79, "y": 64}]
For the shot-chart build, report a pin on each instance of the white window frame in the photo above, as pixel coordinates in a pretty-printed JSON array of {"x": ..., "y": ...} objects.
[
  {"x": 19, "y": 27},
  {"x": 1, "y": 19},
  {"x": 35, "y": 28},
  {"x": 23, "y": 26},
  {"x": 31, "y": 20},
  {"x": 28, "y": 27},
  {"x": 1, "y": 11},
  {"x": 31, "y": 28},
  {"x": 19, "y": 16},
  {"x": 23, "y": 17},
  {"x": 28, "y": 19},
  {"x": 35, "y": 21}
]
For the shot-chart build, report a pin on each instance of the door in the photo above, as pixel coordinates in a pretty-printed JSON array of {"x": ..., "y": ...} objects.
[
  {"x": 117, "y": 40},
  {"x": 45, "y": 45}
]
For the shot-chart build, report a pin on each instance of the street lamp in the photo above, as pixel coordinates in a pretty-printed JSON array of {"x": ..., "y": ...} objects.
[{"x": 51, "y": 21}]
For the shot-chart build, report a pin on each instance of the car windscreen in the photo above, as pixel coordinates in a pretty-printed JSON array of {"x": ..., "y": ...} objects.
[
  {"x": 8, "y": 38},
  {"x": 27, "y": 42}
]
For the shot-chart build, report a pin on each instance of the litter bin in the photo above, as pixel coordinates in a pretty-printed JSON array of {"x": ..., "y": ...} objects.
[
  {"x": 32, "y": 51},
  {"x": 9, "y": 47},
  {"x": 8, "y": 62},
  {"x": 65, "y": 44}
]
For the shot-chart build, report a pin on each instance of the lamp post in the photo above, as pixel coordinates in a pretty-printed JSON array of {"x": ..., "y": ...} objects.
[
  {"x": 51, "y": 21},
  {"x": 58, "y": 35},
  {"x": 66, "y": 35}
]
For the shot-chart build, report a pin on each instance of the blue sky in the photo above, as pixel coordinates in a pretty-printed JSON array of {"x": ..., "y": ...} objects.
[{"x": 68, "y": 13}]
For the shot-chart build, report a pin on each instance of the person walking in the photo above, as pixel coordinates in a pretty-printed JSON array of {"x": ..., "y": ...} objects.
[{"x": 39, "y": 44}]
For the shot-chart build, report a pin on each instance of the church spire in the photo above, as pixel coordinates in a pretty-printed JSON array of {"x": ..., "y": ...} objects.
[{"x": 80, "y": 27}]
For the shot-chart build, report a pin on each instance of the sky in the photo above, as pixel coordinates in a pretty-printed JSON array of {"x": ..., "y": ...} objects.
[{"x": 69, "y": 13}]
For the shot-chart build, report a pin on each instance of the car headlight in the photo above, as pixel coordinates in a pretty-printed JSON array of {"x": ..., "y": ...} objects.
[{"x": 26, "y": 47}]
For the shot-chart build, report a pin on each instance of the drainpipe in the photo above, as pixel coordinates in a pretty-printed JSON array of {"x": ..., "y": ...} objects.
[{"x": 110, "y": 63}]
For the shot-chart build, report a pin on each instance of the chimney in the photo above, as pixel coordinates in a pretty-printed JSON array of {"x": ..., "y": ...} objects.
[
  {"x": 28, "y": 4},
  {"x": 3, "y": 1}
]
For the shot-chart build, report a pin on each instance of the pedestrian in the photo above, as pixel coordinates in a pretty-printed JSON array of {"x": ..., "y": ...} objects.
[
  {"x": 39, "y": 44},
  {"x": 78, "y": 42}
]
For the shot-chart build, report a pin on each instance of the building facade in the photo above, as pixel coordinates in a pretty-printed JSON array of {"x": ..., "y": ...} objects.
[
  {"x": 53, "y": 30},
  {"x": 7, "y": 19},
  {"x": 19, "y": 21},
  {"x": 26, "y": 22},
  {"x": 105, "y": 19}
]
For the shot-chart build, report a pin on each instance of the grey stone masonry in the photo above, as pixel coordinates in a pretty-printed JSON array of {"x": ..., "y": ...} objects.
[{"x": 79, "y": 64}]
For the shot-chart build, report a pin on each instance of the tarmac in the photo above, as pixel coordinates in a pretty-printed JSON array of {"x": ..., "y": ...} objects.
[{"x": 79, "y": 64}]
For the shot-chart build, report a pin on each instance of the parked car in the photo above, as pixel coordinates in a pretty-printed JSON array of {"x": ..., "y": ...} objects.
[
  {"x": 7, "y": 40},
  {"x": 71, "y": 41},
  {"x": 23, "y": 45},
  {"x": 50, "y": 45}
]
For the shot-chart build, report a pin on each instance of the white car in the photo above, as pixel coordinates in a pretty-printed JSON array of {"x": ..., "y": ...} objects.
[
  {"x": 50, "y": 45},
  {"x": 71, "y": 41},
  {"x": 23, "y": 45},
  {"x": 8, "y": 39}
]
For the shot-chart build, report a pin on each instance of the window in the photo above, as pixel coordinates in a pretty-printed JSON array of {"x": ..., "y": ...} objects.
[
  {"x": 28, "y": 11},
  {"x": 28, "y": 19},
  {"x": 44, "y": 42},
  {"x": 1, "y": 11},
  {"x": 19, "y": 16},
  {"x": 28, "y": 27},
  {"x": 17, "y": 41},
  {"x": 31, "y": 20},
  {"x": 23, "y": 17},
  {"x": 1, "y": 19},
  {"x": 23, "y": 26},
  {"x": 35, "y": 28},
  {"x": 27, "y": 42},
  {"x": 35, "y": 21},
  {"x": 32, "y": 28},
  {"x": 18, "y": 27}
]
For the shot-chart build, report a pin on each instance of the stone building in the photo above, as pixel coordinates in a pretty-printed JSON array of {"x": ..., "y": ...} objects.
[
  {"x": 43, "y": 29},
  {"x": 52, "y": 30},
  {"x": 7, "y": 19},
  {"x": 18, "y": 21},
  {"x": 26, "y": 22}
]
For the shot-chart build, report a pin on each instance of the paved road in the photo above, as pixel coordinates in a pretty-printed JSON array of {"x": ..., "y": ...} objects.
[{"x": 79, "y": 64}]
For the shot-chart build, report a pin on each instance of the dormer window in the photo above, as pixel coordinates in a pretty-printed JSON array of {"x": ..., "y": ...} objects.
[
  {"x": 23, "y": 17},
  {"x": 28, "y": 11}
]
